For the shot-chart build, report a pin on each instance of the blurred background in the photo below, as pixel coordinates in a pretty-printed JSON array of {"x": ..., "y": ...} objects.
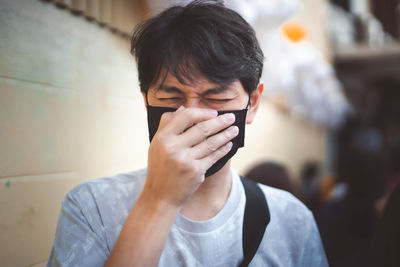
[{"x": 328, "y": 128}]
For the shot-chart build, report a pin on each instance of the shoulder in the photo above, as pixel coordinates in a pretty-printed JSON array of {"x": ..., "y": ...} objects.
[
  {"x": 288, "y": 214},
  {"x": 121, "y": 181},
  {"x": 281, "y": 202},
  {"x": 292, "y": 230},
  {"x": 105, "y": 189},
  {"x": 91, "y": 217}
]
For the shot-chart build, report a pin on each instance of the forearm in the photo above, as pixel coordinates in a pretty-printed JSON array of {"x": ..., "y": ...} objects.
[
  {"x": 179, "y": 156},
  {"x": 144, "y": 233}
]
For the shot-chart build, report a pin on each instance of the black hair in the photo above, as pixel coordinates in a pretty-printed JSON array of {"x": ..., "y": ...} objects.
[
  {"x": 310, "y": 170},
  {"x": 272, "y": 174},
  {"x": 201, "y": 39}
]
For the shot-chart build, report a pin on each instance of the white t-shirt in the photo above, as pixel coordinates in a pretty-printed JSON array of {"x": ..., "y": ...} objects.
[{"x": 93, "y": 213}]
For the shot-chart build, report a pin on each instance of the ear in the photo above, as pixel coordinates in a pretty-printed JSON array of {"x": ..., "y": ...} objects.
[{"x": 255, "y": 99}]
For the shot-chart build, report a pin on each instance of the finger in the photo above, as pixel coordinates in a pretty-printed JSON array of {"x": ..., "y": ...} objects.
[
  {"x": 205, "y": 129},
  {"x": 166, "y": 117},
  {"x": 187, "y": 117},
  {"x": 206, "y": 162},
  {"x": 213, "y": 143}
]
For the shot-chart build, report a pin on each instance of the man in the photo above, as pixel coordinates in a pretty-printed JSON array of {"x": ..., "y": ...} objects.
[{"x": 187, "y": 207}]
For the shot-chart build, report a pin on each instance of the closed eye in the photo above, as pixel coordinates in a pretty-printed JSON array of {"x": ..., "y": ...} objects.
[
  {"x": 170, "y": 98},
  {"x": 218, "y": 100}
]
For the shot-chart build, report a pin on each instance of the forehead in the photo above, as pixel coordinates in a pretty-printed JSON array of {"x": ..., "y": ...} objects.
[{"x": 199, "y": 85}]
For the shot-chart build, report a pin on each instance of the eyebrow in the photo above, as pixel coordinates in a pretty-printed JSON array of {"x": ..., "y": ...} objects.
[
  {"x": 169, "y": 89},
  {"x": 212, "y": 91},
  {"x": 216, "y": 90}
]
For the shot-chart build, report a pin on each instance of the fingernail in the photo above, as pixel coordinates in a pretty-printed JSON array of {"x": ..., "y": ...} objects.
[
  {"x": 234, "y": 130},
  {"x": 229, "y": 145},
  {"x": 228, "y": 117},
  {"x": 213, "y": 112}
]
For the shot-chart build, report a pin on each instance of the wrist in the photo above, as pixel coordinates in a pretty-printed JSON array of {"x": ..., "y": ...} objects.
[{"x": 155, "y": 203}]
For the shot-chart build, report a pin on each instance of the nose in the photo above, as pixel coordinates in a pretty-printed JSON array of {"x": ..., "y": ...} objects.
[{"x": 193, "y": 102}]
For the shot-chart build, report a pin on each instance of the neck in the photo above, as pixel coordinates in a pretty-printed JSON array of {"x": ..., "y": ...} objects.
[{"x": 210, "y": 197}]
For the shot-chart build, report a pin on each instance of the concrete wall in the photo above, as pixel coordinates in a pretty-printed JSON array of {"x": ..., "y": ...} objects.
[{"x": 70, "y": 110}]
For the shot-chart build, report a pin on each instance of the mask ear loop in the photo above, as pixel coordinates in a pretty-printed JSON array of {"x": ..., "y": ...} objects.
[{"x": 248, "y": 102}]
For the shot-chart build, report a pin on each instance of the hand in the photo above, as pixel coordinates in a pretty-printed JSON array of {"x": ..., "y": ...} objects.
[{"x": 187, "y": 143}]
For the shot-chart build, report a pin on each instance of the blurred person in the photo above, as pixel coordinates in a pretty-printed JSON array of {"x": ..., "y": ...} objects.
[
  {"x": 199, "y": 68},
  {"x": 386, "y": 246},
  {"x": 393, "y": 177},
  {"x": 395, "y": 166},
  {"x": 327, "y": 186},
  {"x": 347, "y": 221},
  {"x": 272, "y": 174},
  {"x": 310, "y": 184}
]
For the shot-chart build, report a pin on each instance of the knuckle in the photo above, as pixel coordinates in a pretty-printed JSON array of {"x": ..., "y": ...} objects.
[
  {"x": 160, "y": 138},
  {"x": 185, "y": 165},
  {"x": 166, "y": 145},
  {"x": 227, "y": 135},
  {"x": 188, "y": 166},
  {"x": 170, "y": 147},
  {"x": 210, "y": 145},
  {"x": 231, "y": 132},
  {"x": 205, "y": 130},
  {"x": 164, "y": 118},
  {"x": 188, "y": 113}
]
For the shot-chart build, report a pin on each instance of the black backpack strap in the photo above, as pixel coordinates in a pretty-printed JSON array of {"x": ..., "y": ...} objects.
[{"x": 255, "y": 221}]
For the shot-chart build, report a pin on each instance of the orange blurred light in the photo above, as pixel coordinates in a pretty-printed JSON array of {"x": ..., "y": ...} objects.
[{"x": 294, "y": 31}]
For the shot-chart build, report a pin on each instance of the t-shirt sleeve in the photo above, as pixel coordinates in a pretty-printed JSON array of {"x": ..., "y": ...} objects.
[
  {"x": 313, "y": 254},
  {"x": 78, "y": 240}
]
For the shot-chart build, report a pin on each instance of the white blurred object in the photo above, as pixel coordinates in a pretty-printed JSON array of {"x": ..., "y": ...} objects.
[
  {"x": 343, "y": 31},
  {"x": 157, "y": 6},
  {"x": 262, "y": 13},
  {"x": 374, "y": 30},
  {"x": 340, "y": 191},
  {"x": 316, "y": 93},
  {"x": 341, "y": 27},
  {"x": 295, "y": 70},
  {"x": 359, "y": 6}
]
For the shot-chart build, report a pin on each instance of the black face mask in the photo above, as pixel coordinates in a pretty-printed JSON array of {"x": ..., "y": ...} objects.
[{"x": 154, "y": 114}]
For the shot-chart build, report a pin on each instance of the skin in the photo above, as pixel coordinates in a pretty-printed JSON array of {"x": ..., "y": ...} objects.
[{"x": 187, "y": 143}]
